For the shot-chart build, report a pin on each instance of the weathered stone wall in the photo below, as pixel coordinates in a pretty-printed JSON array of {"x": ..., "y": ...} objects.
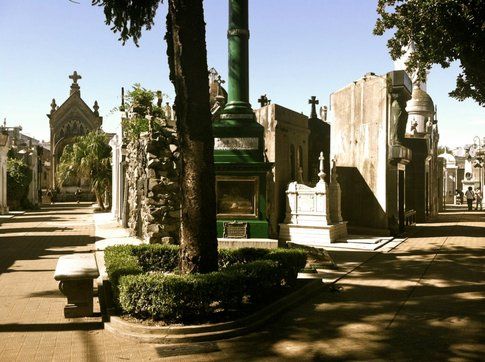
[{"x": 153, "y": 187}]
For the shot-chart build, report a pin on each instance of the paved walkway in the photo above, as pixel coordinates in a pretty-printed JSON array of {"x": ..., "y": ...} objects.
[{"x": 423, "y": 301}]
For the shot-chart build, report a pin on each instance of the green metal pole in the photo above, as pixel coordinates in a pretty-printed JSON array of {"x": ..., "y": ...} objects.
[{"x": 238, "y": 107}]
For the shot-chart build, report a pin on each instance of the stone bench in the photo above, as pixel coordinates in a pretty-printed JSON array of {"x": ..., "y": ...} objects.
[{"x": 75, "y": 274}]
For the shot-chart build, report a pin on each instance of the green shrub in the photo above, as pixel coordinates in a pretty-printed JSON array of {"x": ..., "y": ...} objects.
[
  {"x": 156, "y": 257},
  {"x": 19, "y": 176},
  {"x": 183, "y": 298},
  {"x": 246, "y": 274},
  {"x": 120, "y": 261},
  {"x": 291, "y": 261},
  {"x": 229, "y": 257},
  {"x": 259, "y": 278}
]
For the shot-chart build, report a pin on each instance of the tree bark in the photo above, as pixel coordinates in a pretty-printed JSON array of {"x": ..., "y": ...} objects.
[{"x": 187, "y": 56}]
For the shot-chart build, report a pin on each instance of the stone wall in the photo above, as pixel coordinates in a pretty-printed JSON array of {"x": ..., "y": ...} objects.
[{"x": 153, "y": 188}]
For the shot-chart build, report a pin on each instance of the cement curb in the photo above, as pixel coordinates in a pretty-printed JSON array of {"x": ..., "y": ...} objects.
[{"x": 211, "y": 332}]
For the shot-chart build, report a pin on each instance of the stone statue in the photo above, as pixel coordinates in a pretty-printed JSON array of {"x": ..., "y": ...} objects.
[
  {"x": 53, "y": 105},
  {"x": 323, "y": 113},
  {"x": 334, "y": 175},
  {"x": 396, "y": 113},
  {"x": 168, "y": 111},
  {"x": 159, "y": 99}
]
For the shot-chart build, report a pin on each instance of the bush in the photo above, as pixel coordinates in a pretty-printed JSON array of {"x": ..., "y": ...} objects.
[
  {"x": 19, "y": 176},
  {"x": 229, "y": 257},
  {"x": 248, "y": 274},
  {"x": 120, "y": 261},
  {"x": 291, "y": 262},
  {"x": 156, "y": 257},
  {"x": 182, "y": 298}
]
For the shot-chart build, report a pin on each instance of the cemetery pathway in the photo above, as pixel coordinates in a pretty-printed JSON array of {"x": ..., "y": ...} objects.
[
  {"x": 424, "y": 300},
  {"x": 32, "y": 324}
]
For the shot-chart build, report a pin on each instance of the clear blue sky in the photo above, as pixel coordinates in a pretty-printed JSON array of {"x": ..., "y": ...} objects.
[{"x": 297, "y": 49}]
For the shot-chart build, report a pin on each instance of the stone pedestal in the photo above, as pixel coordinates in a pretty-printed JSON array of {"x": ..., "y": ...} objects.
[
  {"x": 239, "y": 160},
  {"x": 79, "y": 295}
]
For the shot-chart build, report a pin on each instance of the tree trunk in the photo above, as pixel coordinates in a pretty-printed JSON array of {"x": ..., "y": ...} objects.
[
  {"x": 187, "y": 57},
  {"x": 99, "y": 199}
]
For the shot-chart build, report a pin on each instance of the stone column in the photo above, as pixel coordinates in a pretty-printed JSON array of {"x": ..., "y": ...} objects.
[
  {"x": 115, "y": 174},
  {"x": 238, "y": 107}
]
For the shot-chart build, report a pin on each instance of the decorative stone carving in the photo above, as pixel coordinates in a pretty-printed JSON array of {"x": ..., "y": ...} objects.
[{"x": 310, "y": 217}]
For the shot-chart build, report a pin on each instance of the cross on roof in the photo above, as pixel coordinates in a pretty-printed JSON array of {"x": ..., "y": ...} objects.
[
  {"x": 219, "y": 80},
  {"x": 75, "y": 77},
  {"x": 313, "y": 101},
  {"x": 263, "y": 100}
]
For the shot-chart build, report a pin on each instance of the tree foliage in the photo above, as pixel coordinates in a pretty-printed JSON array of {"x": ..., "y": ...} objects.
[
  {"x": 19, "y": 176},
  {"x": 139, "y": 103},
  {"x": 443, "y": 31},
  {"x": 129, "y": 17},
  {"x": 89, "y": 157}
]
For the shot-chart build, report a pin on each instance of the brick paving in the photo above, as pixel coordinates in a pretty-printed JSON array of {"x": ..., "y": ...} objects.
[
  {"x": 424, "y": 300},
  {"x": 32, "y": 324}
]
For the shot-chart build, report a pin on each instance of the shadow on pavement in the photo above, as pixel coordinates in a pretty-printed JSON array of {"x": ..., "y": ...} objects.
[
  {"x": 50, "y": 327},
  {"x": 421, "y": 302}
]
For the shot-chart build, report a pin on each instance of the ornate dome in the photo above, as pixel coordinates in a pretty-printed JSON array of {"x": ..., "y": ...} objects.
[
  {"x": 449, "y": 158},
  {"x": 420, "y": 102}
]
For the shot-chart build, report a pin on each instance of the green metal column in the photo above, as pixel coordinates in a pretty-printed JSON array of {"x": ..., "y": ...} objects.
[{"x": 238, "y": 107}]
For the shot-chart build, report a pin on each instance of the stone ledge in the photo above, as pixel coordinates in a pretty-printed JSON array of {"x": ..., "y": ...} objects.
[
  {"x": 211, "y": 332},
  {"x": 230, "y": 243}
]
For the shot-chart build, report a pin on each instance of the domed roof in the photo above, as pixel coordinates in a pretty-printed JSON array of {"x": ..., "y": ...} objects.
[
  {"x": 420, "y": 102},
  {"x": 449, "y": 158}
]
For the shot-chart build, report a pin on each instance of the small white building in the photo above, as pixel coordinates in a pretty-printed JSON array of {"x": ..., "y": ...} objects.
[{"x": 449, "y": 177}]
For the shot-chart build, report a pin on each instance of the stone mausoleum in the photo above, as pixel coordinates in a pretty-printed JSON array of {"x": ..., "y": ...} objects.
[
  {"x": 384, "y": 140},
  {"x": 71, "y": 119}
]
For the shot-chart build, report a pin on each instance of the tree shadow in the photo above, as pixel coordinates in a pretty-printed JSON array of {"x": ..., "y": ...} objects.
[
  {"x": 37, "y": 242},
  {"x": 416, "y": 303},
  {"x": 50, "y": 327}
]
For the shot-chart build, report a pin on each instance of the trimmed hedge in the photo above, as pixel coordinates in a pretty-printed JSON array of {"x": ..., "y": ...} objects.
[
  {"x": 182, "y": 298},
  {"x": 157, "y": 257},
  {"x": 143, "y": 288},
  {"x": 120, "y": 261}
]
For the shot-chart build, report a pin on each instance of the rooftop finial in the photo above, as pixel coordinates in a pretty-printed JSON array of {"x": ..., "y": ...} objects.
[
  {"x": 96, "y": 108},
  {"x": 74, "y": 86},
  {"x": 313, "y": 101},
  {"x": 53, "y": 105},
  {"x": 75, "y": 77},
  {"x": 321, "y": 173},
  {"x": 263, "y": 100}
]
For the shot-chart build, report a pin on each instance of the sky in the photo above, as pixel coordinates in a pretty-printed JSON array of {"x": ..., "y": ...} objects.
[{"x": 297, "y": 49}]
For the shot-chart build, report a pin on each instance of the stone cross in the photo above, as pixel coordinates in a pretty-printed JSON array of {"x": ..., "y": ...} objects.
[
  {"x": 219, "y": 80},
  {"x": 75, "y": 77},
  {"x": 321, "y": 172},
  {"x": 313, "y": 101},
  {"x": 263, "y": 100}
]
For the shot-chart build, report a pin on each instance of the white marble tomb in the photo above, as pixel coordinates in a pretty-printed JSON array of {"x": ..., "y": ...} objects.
[{"x": 312, "y": 214}]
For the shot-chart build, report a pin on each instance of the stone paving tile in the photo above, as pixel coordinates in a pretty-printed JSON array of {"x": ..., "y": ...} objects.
[{"x": 422, "y": 301}]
